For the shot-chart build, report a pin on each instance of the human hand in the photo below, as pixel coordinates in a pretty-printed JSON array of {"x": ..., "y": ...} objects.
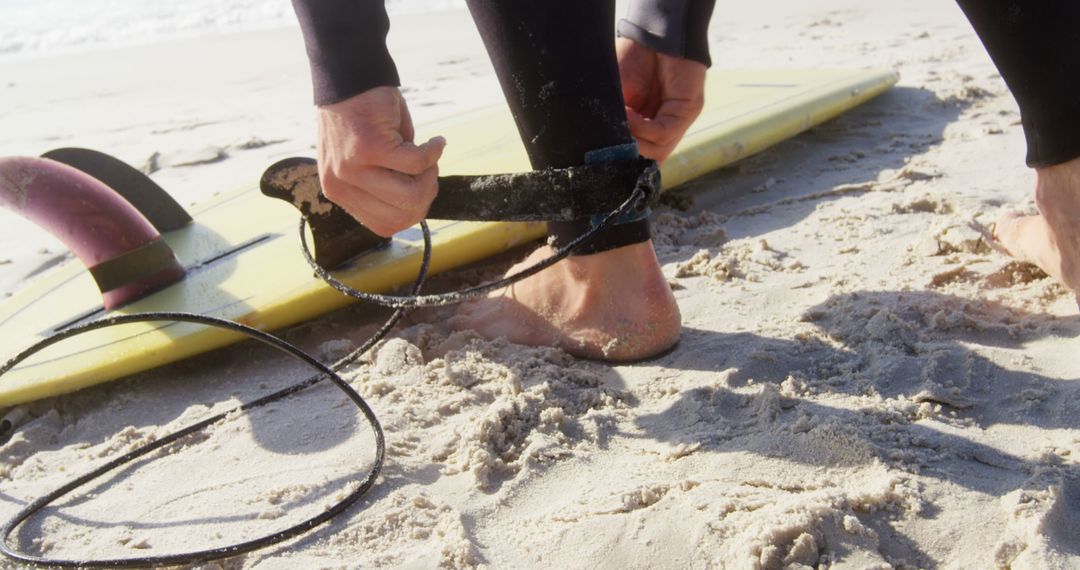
[
  {"x": 663, "y": 95},
  {"x": 369, "y": 164}
]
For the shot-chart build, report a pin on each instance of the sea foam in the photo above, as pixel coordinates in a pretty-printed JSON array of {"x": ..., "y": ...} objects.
[{"x": 38, "y": 27}]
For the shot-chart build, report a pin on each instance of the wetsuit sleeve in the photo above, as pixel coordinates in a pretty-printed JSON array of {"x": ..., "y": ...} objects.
[
  {"x": 346, "y": 46},
  {"x": 675, "y": 27}
]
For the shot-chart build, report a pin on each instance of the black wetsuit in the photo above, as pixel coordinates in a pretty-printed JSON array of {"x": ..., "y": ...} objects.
[
  {"x": 556, "y": 62},
  {"x": 346, "y": 39},
  {"x": 1036, "y": 47}
]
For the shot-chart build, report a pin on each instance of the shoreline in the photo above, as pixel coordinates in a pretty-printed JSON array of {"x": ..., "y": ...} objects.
[{"x": 173, "y": 30}]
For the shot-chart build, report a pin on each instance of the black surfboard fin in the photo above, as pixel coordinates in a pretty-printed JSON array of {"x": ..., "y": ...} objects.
[
  {"x": 163, "y": 212},
  {"x": 337, "y": 236}
]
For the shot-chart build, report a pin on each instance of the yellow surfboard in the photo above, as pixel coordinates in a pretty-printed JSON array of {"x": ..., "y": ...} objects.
[{"x": 243, "y": 257}]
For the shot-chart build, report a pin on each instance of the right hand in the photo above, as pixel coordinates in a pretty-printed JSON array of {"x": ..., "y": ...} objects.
[
  {"x": 369, "y": 165},
  {"x": 664, "y": 94}
]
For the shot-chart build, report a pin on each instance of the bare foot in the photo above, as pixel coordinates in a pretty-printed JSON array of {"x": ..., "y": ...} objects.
[
  {"x": 614, "y": 305},
  {"x": 1050, "y": 239}
]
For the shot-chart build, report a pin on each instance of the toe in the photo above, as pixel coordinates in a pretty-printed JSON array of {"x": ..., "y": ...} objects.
[
  {"x": 458, "y": 323},
  {"x": 463, "y": 319},
  {"x": 1029, "y": 239},
  {"x": 1004, "y": 230},
  {"x": 1023, "y": 237},
  {"x": 477, "y": 315}
]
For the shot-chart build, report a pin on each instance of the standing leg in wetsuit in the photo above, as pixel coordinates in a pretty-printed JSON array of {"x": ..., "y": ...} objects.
[
  {"x": 1036, "y": 47},
  {"x": 557, "y": 66}
]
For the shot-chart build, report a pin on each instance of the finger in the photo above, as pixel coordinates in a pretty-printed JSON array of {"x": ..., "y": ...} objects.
[
  {"x": 395, "y": 188},
  {"x": 641, "y": 99},
  {"x": 640, "y": 129},
  {"x": 375, "y": 214},
  {"x": 648, "y": 130},
  {"x": 647, "y": 105},
  {"x": 412, "y": 194},
  {"x": 655, "y": 152},
  {"x": 633, "y": 93},
  {"x": 389, "y": 201},
  {"x": 679, "y": 114},
  {"x": 411, "y": 159},
  {"x": 671, "y": 122}
]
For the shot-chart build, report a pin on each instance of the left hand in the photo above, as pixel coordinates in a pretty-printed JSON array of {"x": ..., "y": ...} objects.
[
  {"x": 370, "y": 165},
  {"x": 664, "y": 94}
]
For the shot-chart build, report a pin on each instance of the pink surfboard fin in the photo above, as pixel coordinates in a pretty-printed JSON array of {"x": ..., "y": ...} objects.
[{"x": 121, "y": 249}]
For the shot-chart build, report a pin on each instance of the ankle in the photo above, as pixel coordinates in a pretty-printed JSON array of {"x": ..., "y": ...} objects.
[
  {"x": 614, "y": 263},
  {"x": 629, "y": 268},
  {"x": 1058, "y": 186}
]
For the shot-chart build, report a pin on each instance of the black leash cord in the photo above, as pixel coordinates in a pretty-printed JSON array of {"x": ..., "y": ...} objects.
[
  {"x": 204, "y": 555},
  {"x": 400, "y": 303},
  {"x": 226, "y": 551}
]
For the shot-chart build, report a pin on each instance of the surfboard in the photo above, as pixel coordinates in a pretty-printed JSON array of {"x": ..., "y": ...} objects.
[{"x": 242, "y": 250}]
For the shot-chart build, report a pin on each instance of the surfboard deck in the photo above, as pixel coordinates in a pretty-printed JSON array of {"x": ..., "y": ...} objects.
[{"x": 244, "y": 263}]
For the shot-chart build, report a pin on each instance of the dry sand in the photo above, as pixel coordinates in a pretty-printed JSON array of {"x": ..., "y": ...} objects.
[{"x": 861, "y": 383}]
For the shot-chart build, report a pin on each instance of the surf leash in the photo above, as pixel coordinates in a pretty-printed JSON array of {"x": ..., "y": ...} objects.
[
  {"x": 453, "y": 297},
  {"x": 323, "y": 372},
  {"x": 644, "y": 192}
]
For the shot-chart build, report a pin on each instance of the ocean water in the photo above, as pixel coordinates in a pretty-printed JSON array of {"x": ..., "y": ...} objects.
[{"x": 36, "y": 27}]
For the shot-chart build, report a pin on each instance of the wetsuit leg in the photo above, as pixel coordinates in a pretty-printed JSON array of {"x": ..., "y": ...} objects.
[
  {"x": 555, "y": 60},
  {"x": 1036, "y": 47}
]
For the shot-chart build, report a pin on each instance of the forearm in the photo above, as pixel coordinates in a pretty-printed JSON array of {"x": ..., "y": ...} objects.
[
  {"x": 346, "y": 46},
  {"x": 673, "y": 27}
]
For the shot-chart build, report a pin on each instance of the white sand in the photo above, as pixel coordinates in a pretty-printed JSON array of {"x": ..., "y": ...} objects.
[{"x": 860, "y": 383}]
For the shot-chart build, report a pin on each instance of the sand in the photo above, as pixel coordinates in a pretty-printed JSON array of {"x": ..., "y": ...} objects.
[{"x": 861, "y": 382}]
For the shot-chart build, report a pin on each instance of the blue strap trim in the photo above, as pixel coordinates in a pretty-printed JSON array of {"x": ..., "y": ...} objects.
[
  {"x": 617, "y": 153},
  {"x": 628, "y": 151}
]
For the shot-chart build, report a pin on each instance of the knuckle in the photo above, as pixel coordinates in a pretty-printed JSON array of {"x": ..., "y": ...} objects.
[
  {"x": 367, "y": 149},
  {"x": 365, "y": 152},
  {"x": 411, "y": 166},
  {"x": 327, "y": 172},
  {"x": 380, "y": 229},
  {"x": 414, "y": 161},
  {"x": 649, "y": 138},
  {"x": 414, "y": 216},
  {"x": 390, "y": 225},
  {"x": 669, "y": 135},
  {"x": 334, "y": 189},
  {"x": 413, "y": 155},
  {"x": 381, "y": 225},
  {"x": 419, "y": 195},
  {"x": 430, "y": 188}
]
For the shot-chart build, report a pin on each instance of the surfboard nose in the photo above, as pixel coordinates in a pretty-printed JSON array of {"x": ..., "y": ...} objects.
[{"x": 119, "y": 247}]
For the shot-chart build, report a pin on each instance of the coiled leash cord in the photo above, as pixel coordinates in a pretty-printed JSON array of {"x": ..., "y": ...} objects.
[
  {"x": 226, "y": 551},
  {"x": 400, "y": 303}
]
